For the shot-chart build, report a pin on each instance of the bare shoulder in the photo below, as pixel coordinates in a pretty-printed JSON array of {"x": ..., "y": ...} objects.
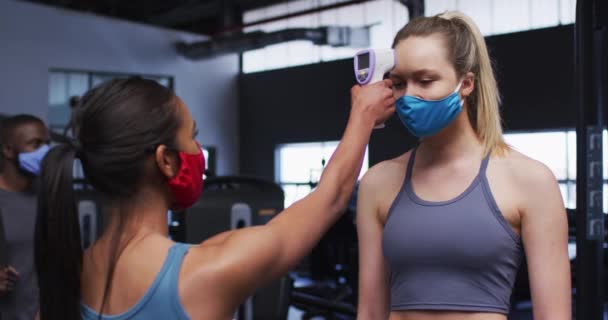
[
  {"x": 524, "y": 171},
  {"x": 385, "y": 173},
  {"x": 202, "y": 280},
  {"x": 531, "y": 184},
  {"x": 201, "y": 263},
  {"x": 218, "y": 258},
  {"x": 381, "y": 184}
]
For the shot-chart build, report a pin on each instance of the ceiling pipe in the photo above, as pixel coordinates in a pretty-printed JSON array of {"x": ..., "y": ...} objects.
[
  {"x": 187, "y": 13},
  {"x": 242, "y": 26},
  {"x": 332, "y": 36}
]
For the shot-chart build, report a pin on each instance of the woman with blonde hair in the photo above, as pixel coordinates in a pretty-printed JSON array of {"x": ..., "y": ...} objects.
[{"x": 443, "y": 228}]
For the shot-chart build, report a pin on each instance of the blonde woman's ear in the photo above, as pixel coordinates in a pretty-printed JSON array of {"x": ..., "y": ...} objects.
[{"x": 468, "y": 84}]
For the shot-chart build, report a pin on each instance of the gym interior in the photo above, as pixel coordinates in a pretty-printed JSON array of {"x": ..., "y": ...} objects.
[{"x": 268, "y": 83}]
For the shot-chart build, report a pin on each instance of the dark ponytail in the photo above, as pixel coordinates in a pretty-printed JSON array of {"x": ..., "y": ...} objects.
[
  {"x": 58, "y": 249},
  {"x": 119, "y": 125}
]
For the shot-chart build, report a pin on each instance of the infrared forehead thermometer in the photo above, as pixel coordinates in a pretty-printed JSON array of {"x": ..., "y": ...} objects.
[{"x": 372, "y": 64}]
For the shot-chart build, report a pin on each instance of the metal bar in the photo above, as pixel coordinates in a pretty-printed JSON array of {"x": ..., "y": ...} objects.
[
  {"x": 337, "y": 36},
  {"x": 415, "y": 8},
  {"x": 589, "y": 262},
  {"x": 189, "y": 12},
  {"x": 574, "y": 180},
  {"x": 287, "y": 16},
  {"x": 310, "y": 184},
  {"x": 314, "y": 301}
]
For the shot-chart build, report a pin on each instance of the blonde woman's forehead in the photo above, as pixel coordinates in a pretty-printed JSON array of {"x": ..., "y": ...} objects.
[{"x": 417, "y": 54}]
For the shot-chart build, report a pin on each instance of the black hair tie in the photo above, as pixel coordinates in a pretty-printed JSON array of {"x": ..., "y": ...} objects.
[{"x": 75, "y": 144}]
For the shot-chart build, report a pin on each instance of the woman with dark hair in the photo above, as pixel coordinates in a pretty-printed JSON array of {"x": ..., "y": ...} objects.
[{"x": 136, "y": 142}]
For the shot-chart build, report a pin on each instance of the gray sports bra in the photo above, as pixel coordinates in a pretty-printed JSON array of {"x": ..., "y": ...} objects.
[{"x": 457, "y": 255}]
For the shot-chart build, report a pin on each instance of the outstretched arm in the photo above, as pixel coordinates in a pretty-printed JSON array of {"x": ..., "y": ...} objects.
[{"x": 254, "y": 256}]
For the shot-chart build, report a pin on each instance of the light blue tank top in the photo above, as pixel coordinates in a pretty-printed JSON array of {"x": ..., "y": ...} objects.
[{"x": 161, "y": 301}]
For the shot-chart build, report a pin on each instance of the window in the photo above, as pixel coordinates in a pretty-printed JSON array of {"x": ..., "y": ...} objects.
[
  {"x": 210, "y": 161},
  {"x": 557, "y": 150},
  {"x": 386, "y": 17},
  {"x": 500, "y": 16},
  {"x": 64, "y": 84},
  {"x": 299, "y": 166}
]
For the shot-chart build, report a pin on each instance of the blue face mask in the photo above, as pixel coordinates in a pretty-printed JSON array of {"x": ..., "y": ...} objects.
[
  {"x": 30, "y": 161},
  {"x": 425, "y": 118}
]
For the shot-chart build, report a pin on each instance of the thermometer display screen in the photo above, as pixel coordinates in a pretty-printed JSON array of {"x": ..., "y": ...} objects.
[{"x": 363, "y": 61}]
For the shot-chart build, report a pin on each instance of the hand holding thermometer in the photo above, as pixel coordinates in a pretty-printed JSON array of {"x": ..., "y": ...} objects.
[{"x": 371, "y": 65}]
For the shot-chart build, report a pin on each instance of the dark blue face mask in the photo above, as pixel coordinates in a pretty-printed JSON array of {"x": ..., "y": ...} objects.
[
  {"x": 424, "y": 118},
  {"x": 30, "y": 161}
]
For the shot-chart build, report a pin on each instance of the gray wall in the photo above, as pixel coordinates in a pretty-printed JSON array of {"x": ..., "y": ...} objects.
[{"x": 35, "y": 38}]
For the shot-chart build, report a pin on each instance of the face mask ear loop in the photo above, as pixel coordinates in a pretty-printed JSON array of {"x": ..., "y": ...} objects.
[
  {"x": 458, "y": 93},
  {"x": 458, "y": 87}
]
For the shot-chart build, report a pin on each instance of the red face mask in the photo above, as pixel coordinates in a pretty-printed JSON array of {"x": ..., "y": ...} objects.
[{"x": 187, "y": 185}]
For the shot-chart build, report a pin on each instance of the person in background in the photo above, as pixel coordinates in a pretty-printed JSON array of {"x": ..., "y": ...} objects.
[{"x": 23, "y": 144}]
